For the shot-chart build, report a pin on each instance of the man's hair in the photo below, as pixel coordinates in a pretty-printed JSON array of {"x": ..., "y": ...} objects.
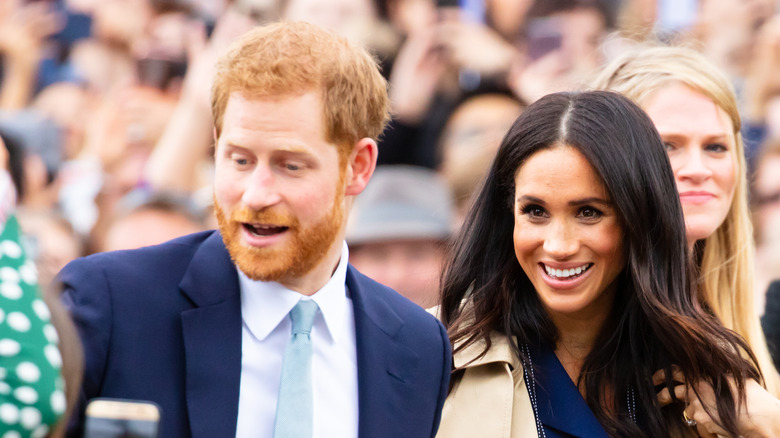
[{"x": 289, "y": 58}]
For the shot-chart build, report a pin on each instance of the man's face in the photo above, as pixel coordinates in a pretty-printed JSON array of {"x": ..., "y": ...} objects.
[
  {"x": 279, "y": 188},
  {"x": 411, "y": 267}
]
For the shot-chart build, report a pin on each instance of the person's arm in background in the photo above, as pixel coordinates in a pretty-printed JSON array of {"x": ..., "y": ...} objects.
[
  {"x": 184, "y": 144},
  {"x": 23, "y": 30}
]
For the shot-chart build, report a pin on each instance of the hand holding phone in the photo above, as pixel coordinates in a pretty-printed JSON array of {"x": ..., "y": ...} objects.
[{"x": 115, "y": 418}]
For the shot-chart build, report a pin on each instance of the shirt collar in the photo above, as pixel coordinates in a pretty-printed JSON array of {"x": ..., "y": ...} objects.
[{"x": 264, "y": 304}]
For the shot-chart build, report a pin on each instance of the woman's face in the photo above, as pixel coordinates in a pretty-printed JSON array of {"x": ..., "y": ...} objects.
[
  {"x": 702, "y": 150},
  {"x": 568, "y": 238}
]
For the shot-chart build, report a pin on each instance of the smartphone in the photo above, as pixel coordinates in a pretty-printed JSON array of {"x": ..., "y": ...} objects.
[
  {"x": 115, "y": 418},
  {"x": 543, "y": 36},
  {"x": 470, "y": 10}
]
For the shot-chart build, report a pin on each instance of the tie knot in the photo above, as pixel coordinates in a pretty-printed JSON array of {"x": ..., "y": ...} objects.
[{"x": 302, "y": 316}]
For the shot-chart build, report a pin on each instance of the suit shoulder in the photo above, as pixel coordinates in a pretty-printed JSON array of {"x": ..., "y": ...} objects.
[
  {"x": 405, "y": 308},
  {"x": 178, "y": 247},
  {"x": 172, "y": 255}
]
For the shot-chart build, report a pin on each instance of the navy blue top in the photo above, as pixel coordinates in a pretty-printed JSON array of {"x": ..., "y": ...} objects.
[{"x": 560, "y": 406}]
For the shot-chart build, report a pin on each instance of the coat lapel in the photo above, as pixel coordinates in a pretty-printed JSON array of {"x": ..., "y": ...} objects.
[
  {"x": 212, "y": 340},
  {"x": 490, "y": 399},
  {"x": 382, "y": 361}
]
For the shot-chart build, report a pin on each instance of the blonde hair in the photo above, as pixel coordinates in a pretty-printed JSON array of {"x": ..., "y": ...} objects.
[
  {"x": 727, "y": 256},
  {"x": 291, "y": 58}
]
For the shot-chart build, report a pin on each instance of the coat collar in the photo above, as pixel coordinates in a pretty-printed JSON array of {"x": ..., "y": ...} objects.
[
  {"x": 212, "y": 340},
  {"x": 211, "y": 277},
  {"x": 384, "y": 363},
  {"x": 560, "y": 405},
  {"x": 500, "y": 351}
]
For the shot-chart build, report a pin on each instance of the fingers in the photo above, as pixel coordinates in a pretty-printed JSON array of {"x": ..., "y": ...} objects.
[
  {"x": 659, "y": 377},
  {"x": 680, "y": 394}
]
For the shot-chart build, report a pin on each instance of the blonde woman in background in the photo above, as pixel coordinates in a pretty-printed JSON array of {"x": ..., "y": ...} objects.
[{"x": 694, "y": 108}]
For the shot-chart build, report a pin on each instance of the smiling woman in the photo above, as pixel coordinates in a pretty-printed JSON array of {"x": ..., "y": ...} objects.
[
  {"x": 569, "y": 287},
  {"x": 694, "y": 108},
  {"x": 567, "y": 236}
]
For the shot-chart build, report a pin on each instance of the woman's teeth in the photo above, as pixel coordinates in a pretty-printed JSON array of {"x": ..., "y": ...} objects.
[{"x": 566, "y": 273}]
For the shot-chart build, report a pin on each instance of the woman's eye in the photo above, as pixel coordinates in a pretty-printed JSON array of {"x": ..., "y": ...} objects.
[
  {"x": 590, "y": 213},
  {"x": 241, "y": 161},
  {"x": 669, "y": 146},
  {"x": 533, "y": 211},
  {"x": 716, "y": 147}
]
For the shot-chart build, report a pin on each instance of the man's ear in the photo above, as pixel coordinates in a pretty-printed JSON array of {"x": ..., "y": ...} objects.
[
  {"x": 361, "y": 165},
  {"x": 216, "y": 139}
]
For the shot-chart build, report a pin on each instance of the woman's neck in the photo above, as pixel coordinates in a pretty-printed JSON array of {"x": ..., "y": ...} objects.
[{"x": 576, "y": 338}]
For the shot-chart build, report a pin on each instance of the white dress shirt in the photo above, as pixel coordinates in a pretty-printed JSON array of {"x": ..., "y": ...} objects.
[{"x": 266, "y": 332}]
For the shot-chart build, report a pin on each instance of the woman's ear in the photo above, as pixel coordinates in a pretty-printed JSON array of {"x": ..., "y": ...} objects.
[{"x": 361, "y": 165}]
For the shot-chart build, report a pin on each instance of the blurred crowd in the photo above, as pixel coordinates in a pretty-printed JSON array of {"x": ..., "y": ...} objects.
[{"x": 104, "y": 108}]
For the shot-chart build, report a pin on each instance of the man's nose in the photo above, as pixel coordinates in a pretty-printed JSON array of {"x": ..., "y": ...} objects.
[{"x": 261, "y": 190}]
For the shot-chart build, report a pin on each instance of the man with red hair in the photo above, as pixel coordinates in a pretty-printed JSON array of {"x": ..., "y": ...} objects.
[{"x": 202, "y": 325}]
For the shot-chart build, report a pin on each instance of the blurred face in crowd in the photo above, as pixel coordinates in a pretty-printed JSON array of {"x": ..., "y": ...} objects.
[
  {"x": 147, "y": 227},
  {"x": 507, "y": 16},
  {"x": 701, "y": 147},
  {"x": 470, "y": 140},
  {"x": 411, "y": 16},
  {"x": 411, "y": 267},
  {"x": 279, "y": 187},
  {"x": 567, "y": 236},
  {"x": 50, "y": 242},
  {"x": 582, "y": 30}
]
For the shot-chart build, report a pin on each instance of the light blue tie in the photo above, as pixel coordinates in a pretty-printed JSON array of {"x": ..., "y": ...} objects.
[{"x": 294, "y": 406}]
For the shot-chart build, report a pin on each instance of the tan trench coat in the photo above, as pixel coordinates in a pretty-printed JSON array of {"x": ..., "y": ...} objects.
[{"x": 491, "y": 399}]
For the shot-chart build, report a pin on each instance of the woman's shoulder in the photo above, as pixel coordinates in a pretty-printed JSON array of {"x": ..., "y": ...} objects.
[{"x": 478, "y": 353}]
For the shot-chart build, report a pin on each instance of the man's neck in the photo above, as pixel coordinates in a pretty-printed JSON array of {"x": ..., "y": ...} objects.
[{"x": 309, "y": 283}]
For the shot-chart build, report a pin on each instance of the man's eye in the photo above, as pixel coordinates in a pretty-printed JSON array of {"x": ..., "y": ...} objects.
[{"x": 292, "y": 166}]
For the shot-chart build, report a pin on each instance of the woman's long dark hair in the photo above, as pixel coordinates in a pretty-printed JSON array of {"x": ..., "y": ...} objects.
[{"x": 656, "y": 322}]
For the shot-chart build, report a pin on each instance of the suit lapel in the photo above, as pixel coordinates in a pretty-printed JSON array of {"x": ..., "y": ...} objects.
[
  {"x": 382, "y": 361},
  {"x": 212, "y": 340}
]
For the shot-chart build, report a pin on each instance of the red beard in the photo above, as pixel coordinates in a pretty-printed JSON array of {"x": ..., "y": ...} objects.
[{"x": 297, "y": 255}]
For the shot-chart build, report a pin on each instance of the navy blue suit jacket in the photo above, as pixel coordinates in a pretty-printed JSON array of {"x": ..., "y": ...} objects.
[{"x": 163, "y": 323}]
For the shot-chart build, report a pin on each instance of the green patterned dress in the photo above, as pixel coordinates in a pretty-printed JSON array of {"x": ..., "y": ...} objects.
[{"x": 31, "y": 386}]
